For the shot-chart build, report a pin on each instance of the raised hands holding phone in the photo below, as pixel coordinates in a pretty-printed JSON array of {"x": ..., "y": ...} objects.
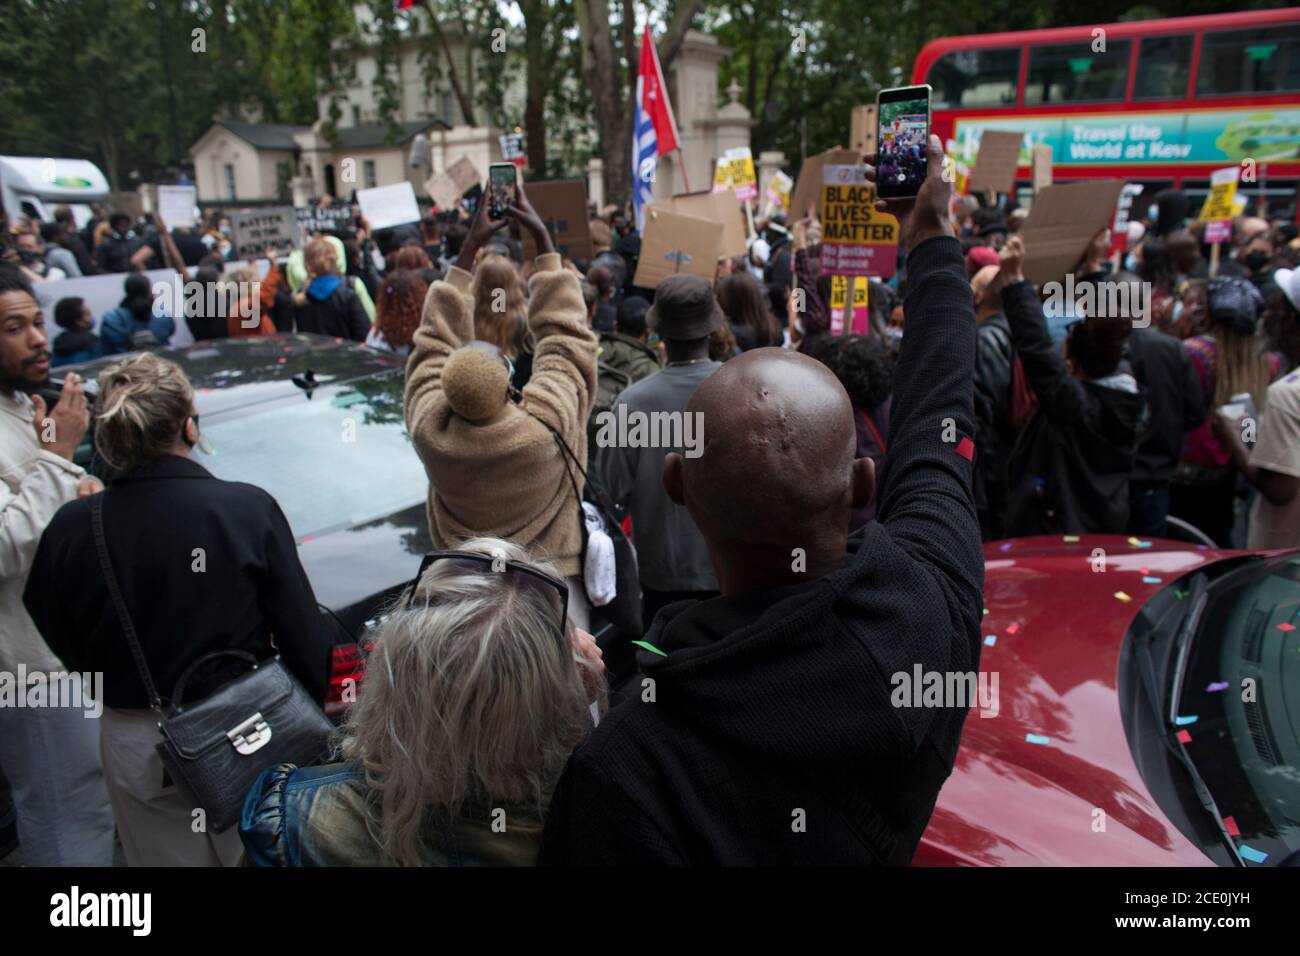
[{"x": 925, "y": 216}]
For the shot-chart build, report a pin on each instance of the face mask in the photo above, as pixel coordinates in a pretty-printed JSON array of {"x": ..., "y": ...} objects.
[
  {"x": 1130, "y": 263},
  {"x": 1153, "y": 212},
  {"x": 225, "y": 230},
  {"x": 894, "y": 338},
  {"x": 224, "y": 249},
  {"x": 1177, "y": 313},
  {"x": 27, "y": 256},
  {"x": 1256, "y": 260}
]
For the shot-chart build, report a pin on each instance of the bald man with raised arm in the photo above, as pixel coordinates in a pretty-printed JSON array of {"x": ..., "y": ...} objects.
[{"x": 765, "y": 727}]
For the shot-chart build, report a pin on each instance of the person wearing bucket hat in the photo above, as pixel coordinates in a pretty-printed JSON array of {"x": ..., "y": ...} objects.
[
  {"x": 671, "y": 553},
  {"x": 1228, "y": 361}
]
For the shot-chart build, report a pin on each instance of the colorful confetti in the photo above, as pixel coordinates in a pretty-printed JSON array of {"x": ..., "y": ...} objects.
[
  {"x": 1184, "y": 721},
  {"x": 1286, "y": 627},
  {"x": 650, "y": 647},
  {"x": 1184, "y": 737},
  {"x": 1217, "y": 686},
  {"x": 1070, "y": 538},
  {"x": 990, "y": 640},
  {"x": 1013, "y": 628},
  {"x": 1251, "y": 854},
  {"x": 986, "y": 612},
  {"x": 1230, "y": 825},
  {"x": 1150, "y": 580},
  {"x": 1037, "y": 739},
  {"x": 966, "y": 448},
  {"x": 1006, "y": 546},
  {"x": 1121, "y": 596}
]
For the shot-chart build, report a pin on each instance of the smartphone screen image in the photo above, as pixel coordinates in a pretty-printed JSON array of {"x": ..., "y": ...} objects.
[
  {"x": 501, "y": 183},
  {"x": 902, "y": 132}
]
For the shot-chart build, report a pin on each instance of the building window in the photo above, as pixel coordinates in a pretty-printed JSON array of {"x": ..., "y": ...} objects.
[
  {"x": 1263, "y": 60},
  {"x": 1073, "y": 73},
  {"x": 230, "y": 180},
  {"x": 1163, "y": 65},
  {"x": 369, "y": 171}
]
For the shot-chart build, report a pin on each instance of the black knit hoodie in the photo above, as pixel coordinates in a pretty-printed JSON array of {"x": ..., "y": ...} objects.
[{"x": 771, "y": 736}]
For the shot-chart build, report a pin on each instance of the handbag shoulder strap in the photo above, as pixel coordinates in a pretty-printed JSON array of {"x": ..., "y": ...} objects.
[
  {"x": 564, "y": 446},
  {"x": 119, "y": 603}
]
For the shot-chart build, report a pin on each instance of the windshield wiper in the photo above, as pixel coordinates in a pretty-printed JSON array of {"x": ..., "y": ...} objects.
[{"x": 1197, "y": 598}]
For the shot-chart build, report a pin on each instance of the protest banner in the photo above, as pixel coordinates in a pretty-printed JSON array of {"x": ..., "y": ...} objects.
[
  {"x": 1042, "y": 167},
  {"x": 562, "y": 206},
  {"x": 673, "y": 243},
  {"x": 1062, "y": 222},
  {"x": 996, "y": 161},
  {"x": 336, "y": 217},
  {"x": 256, "y": 229},
  {"x": 856, "y": 320},
  {"x": 442, "y": 189},
  {"x": 778, "y": 193},
  {"x": 808, "y": 184},
  {"x": 735, "y": 172},
  {"x": 176, "y": 205},
  {"x": 1217, "y": 211},
  {"x": 464, "y": 174},
  {"x": 857, "y": 239},
  {"x": 1119, "y": 225},
  {"x": 387, "y": 206},
  {"x": 715, "y": 207},
  {"x": 512, "y": 148}
]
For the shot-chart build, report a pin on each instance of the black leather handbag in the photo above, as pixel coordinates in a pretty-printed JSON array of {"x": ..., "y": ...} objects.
[{"x": 217, "y": 747}]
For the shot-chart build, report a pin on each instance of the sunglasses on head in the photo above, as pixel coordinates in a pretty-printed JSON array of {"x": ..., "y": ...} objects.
[{"x": 490, "y": 564}]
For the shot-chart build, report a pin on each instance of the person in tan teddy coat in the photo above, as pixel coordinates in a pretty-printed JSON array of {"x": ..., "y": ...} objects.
[{"x": 494, "y": 467}]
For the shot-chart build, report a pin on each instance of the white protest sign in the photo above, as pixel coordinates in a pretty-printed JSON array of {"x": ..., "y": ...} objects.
[
  {"x": 386, "y": 206},
  {"x": 176, "y": 205}
]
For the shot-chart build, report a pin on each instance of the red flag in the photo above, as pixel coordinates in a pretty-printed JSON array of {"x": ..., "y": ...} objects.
[
  {"x": 653, "y": 96},
  {"x": 403, "y": 4}
]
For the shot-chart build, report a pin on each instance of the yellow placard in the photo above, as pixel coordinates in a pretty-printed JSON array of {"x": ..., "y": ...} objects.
[{"x": 1223, "y": 191}]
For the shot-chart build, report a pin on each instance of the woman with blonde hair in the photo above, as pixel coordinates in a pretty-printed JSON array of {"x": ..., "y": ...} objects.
[
  {"x": 499, "y": 307},
  {"x": 202, "y": 566},
  {"x": 475, "y": 693},
  {"x": 327, "y": 305}
]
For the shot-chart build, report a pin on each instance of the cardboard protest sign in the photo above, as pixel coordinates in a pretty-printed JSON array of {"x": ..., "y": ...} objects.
[
  {"x": 716, "y": 207},
  {"x": 778, "y": 192},
  {"x": 673, "y": 243},
  {"x": 996, "y": 162},
  {"x": 562, "y": 205},
  {"x": 464, "y": 175},
  {"x": 256, "y": 229},
  {"x": 862, "y": 130},
  {"x": 1042, "y": 167},
  {"x": 857, "y": 239},
  {"x": 336, "y": 217},
  {"x": 512, "y": 148},
  {"x": 442, "y": 189},
  {"x": 387, "y": 206},
  {"x": 735, "y": 172},
  {"x": 1217, "y": 211},
  {"x": 1062, "y": 221},
  {"x": 1119, "y": 226},
  {"x": 808, "y": 186},
  {"x": 176, "y": 205}
]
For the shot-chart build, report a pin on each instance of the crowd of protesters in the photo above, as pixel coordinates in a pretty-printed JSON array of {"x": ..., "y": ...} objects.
[{"x": 485, "y": 696}]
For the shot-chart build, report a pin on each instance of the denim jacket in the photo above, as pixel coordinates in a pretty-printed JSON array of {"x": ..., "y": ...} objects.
[{"x": 317, "y": 817}]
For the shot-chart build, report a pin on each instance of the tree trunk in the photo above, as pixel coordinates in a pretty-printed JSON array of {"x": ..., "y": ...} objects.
[
  {"x": 599, "y": 71},
  {"x": 466, "y": 100},
  {"x": 671, "y": 43},
  {"x": 534, "y": 12}
]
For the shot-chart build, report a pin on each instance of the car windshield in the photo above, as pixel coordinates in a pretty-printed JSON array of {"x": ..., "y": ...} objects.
[
  {"x": 1239, "y": 706},
  {"x": 334, "y": 460}
]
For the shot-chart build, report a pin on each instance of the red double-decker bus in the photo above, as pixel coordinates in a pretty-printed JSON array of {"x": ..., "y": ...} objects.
[{"x": 1157, "y": 102}]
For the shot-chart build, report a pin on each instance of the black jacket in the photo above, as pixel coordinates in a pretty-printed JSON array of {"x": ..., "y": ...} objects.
[
  {"x": 1069, "y": 470},
  {"x": 772, "y": 737},
  {"x": 114, "y": 253},
  {"x": 341, "y": 315},
  {"x": 251, "y": 585},
  {"x": 1162, "y": 363},
  {"x": 994, "y": 359}
]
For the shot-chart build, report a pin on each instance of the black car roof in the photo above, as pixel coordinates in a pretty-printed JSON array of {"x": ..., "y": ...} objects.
[{"x": 234, "y": 373}]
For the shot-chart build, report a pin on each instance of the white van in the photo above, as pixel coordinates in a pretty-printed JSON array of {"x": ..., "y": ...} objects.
[{"x": 35, "y": 186}]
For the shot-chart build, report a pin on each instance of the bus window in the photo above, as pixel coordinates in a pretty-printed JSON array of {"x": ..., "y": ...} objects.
[
  {"x": 975, "y": 78},
  {"x": 1073, "y": 73},
  {"x": 1163, "y": 63},
  {"x": 1264, "y": 60}
]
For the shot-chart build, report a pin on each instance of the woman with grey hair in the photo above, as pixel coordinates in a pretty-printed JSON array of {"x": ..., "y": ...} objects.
[{"x": 475, "y": 693}]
